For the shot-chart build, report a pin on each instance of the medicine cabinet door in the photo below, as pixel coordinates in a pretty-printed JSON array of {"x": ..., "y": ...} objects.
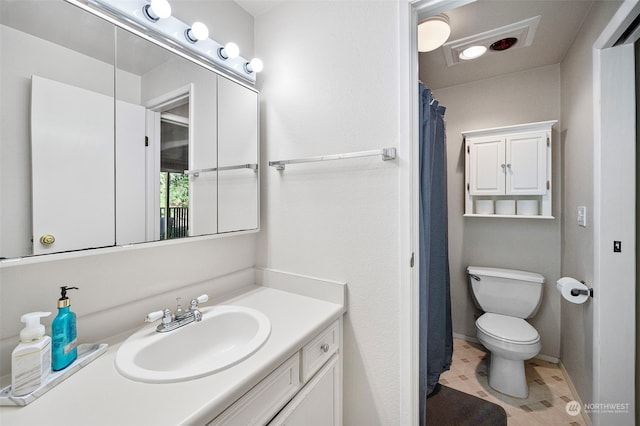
[{"x": 237, "y": 157}]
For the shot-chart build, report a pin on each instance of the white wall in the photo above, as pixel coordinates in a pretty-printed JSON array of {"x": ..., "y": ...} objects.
[
  {"x": 578, "y": 245},
  {"x": 526, "y": 244},
  {"x": 330, "y": 86}
]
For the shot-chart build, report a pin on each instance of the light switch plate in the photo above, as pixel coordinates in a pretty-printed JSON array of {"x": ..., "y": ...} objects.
[{"x": 582, "y": 216}]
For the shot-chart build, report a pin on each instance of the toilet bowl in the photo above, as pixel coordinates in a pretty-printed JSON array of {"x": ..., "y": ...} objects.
[
  {"x": 511, "y": 341},
  {"x": 507, "y": 297}
]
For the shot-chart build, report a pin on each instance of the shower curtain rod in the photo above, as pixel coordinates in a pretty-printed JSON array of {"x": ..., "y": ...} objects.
[{"x": 386, "y": 153}]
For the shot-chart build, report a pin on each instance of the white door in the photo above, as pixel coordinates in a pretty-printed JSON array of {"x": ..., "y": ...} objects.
[
  {"x": 526, "y": 166},
  {"x": 487, "y": 165},
  {"x": 72, "y": 154},
  {"x": 130, "y": 173}
]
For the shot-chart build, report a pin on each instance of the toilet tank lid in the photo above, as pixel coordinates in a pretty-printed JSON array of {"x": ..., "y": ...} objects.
[{"x": 505, "y": 273}]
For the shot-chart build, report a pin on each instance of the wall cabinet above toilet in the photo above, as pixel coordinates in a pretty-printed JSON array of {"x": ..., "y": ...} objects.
[{"x": 508, "y": 171}]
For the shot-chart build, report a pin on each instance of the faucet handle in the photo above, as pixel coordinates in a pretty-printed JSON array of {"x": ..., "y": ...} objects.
[
  {"x": 200, "y": 299},
  {"x": 156, "y": 315}
]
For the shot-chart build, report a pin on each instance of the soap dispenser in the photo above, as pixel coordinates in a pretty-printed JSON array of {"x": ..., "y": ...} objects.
[
  {"x": 63, "y": 332},
  {"x": 31, "y": 359}
]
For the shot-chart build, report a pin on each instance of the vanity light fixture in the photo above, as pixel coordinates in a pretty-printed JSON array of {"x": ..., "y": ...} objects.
[
  {"x": 154, "y": 18},
  {"x": 229, "y": 51},
  {"x": 255, "y": 65},
  {"x": 197, "y": 32},
  {"x": 156, "y": 10}
]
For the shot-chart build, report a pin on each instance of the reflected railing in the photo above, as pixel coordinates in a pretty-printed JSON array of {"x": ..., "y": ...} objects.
[{"x": 177, "y": 225}]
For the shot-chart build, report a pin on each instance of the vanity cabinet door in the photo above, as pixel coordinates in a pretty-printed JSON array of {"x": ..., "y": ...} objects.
[
  {"x": 317, "y": 404},
  {"x": 487, "y": 165}
]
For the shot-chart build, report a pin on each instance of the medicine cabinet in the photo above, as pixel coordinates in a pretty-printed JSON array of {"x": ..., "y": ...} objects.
[{"x": 508, "y": 171}]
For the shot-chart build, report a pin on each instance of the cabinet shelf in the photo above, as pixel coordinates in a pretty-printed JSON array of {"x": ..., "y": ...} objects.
[{"x": 509, "y": 216}]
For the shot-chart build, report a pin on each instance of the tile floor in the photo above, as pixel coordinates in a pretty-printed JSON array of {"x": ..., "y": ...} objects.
[{"x": 548, "y": 389}]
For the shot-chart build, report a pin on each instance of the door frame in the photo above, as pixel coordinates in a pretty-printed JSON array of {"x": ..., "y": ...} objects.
[
  {"x": 409, "y": 14},
  {"x": 614, "y": 129}
]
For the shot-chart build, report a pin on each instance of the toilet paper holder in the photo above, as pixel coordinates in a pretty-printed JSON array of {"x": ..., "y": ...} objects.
[{"x": 578, "y": 292}]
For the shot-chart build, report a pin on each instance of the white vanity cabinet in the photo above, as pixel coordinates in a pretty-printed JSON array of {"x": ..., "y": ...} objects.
[
  {"x": 508, "y": 171},
  {"x": 305, "y": 390}
]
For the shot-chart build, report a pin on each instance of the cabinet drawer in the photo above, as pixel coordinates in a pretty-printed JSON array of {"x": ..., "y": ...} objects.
[
  {"x": 262, "y": 402},
  {"x": 319, "y": 350}
]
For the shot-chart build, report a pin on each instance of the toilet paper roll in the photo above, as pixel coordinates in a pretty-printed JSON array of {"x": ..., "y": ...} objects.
[{"x": 566, "y": 284}]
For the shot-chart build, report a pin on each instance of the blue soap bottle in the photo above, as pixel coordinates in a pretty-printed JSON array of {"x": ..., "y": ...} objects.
[{"x": 63, "y": 333}]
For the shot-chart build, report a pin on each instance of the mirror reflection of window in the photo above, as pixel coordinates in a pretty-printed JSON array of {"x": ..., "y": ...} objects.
[{"x": 174, "y": 184}]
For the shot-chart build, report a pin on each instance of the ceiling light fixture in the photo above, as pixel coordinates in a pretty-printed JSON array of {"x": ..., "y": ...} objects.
[
  {"x": 154, "y": 18},
  {"x": 472, "y": 52},
  {"x": 433, "y": 32},
  {"x": 503, "y": 44}
]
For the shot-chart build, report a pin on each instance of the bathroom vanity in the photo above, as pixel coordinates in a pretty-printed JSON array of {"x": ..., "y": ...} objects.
[{"x": 295, "y": 378}]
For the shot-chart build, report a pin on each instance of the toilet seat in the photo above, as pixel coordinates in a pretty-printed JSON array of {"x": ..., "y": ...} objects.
[{"x": 507, "y": 329}]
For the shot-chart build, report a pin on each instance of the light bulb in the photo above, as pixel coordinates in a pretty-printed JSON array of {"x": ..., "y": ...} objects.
[
  {"x": 198, "y": 31},
  {"x": 472, "y": 52},
  {"x": 232, "y": 50},
  {"x": 255, "y": 65},
  {"x": 157, "y": 9}
]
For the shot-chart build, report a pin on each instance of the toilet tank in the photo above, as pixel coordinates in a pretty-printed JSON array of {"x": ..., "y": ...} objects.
[{"x": 506, "y": 291}]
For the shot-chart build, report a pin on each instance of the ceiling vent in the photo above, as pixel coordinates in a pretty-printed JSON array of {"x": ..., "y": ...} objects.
[{"x": 523, "y": 31}]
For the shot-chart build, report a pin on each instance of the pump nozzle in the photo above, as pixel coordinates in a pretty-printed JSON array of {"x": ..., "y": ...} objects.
[
  {"x": 33, "y": 330},
  {"x": 64, "y": 300}
]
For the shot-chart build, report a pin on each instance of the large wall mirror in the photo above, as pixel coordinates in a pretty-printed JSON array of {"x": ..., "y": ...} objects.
[{"x": 110, "y": 139}]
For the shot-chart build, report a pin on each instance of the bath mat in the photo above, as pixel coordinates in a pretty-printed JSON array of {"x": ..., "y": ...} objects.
[{"x": 449, "y": 407}]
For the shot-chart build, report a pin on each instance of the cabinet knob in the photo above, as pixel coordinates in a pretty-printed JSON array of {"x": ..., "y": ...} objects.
[
  {"x": 47, "y": 239},
  {"x": 325, "y": 347}
]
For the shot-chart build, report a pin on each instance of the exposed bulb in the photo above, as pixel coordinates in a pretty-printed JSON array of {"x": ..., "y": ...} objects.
[
  {"x": 157, "y": 9},
  {"x": 472, "y": 52},
  {"x": 197, "y": 32},
  {"x": 255, "y": 65},
  {"x": 231, "y": 50}
]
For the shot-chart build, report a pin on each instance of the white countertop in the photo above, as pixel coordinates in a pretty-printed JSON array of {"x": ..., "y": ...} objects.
[{"x": 99, "y": 395}]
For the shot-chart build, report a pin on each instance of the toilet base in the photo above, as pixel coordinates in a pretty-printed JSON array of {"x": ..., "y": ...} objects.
[{"x": 507, "y": 376}]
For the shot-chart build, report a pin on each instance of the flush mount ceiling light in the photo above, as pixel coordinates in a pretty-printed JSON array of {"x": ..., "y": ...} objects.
[
  {"x": 433, "y": 32},
  {"x": 472, "y": 52},
  {"x": 154, "y": 18}
]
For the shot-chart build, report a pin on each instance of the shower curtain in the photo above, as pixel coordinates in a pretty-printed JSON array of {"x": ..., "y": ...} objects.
[{"x": 436, "y": 339}]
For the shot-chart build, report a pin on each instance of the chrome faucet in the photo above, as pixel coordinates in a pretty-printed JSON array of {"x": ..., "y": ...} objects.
[{"x": 171, "y": 321}]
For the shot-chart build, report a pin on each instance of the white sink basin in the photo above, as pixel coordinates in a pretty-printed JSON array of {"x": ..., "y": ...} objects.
[{"x": 225, "y": 336}]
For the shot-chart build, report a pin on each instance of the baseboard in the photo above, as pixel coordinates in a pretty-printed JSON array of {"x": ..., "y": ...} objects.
[{"x": 575, "y": 393}]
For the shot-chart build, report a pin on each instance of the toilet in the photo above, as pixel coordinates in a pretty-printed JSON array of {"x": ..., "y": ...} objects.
[{"x": 507, "y": 297}]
